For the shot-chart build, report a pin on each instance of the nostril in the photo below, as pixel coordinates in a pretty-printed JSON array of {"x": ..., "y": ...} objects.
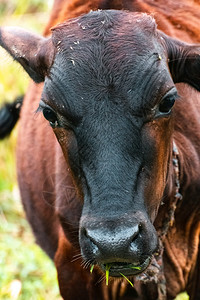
[
  {"x": 84, "y": 232},
  {"x": 136, "y": 231},
  {"x": 89, "y": 240},
  {"x": 135, "y": 238}
]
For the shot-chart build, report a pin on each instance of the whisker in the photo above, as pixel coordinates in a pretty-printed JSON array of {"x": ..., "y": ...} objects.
[
  {"x": 77, "y": 255},
  {"x": 76, "y": 258},
  {"x": 103, "y": 277},
  {"x": 85, "y": 264}
]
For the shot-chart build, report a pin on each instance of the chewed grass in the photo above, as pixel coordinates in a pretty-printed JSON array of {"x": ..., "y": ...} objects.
[
  {"x": 108, "y": 266},
  {"x": 91, "y": 269},
  {"x": 182, "y": 296},
  {"x": 136, "y": 268},
  {"x": 107, "y": 273},
  {"x": 126, "y": 279}
]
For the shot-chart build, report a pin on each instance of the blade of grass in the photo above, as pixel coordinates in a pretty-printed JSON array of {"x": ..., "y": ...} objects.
[
  {"x": 107, "y": 273},
  {"x": 126, "y": 279},
  {"x": 91, "y": 269},
  {"x": 136, "y": 268}
]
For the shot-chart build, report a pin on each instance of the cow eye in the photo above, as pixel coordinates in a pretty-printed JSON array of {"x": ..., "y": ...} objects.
[
  {"x": 168, "y": 101},
  {"x": 51, "y": 116},
  {"x": 166, "y": 105}
]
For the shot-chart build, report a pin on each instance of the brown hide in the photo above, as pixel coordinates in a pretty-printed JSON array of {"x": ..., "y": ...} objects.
[{"x": 39, "y": 155}]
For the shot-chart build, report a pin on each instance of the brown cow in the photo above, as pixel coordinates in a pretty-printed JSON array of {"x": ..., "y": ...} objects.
[{"x": 109, "y": 191}]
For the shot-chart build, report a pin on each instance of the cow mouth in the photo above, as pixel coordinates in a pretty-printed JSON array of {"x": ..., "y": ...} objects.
[{"x": 116, "y": 269}]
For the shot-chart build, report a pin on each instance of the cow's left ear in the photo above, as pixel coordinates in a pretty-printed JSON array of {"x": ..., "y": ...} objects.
[
  {"x": 35, "y": 53},
  {"x": 184, "y": 61}
]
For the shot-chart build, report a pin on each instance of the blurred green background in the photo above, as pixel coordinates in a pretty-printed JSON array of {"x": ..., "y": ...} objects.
[{"x": 26, "y": 273}]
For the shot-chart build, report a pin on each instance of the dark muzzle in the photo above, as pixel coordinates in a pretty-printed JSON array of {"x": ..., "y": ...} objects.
[{"x": 126, "y": 246}]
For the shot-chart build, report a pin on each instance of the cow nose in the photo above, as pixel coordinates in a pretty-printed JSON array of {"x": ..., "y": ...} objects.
[
  {"x": 125, "y": 246},
  {"x": 107, "y": 245}
]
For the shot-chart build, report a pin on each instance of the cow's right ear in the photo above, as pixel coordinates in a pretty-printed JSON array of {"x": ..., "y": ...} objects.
[
  {"x": 35, "y": 53},
  {"x": 183, "y": 61}
]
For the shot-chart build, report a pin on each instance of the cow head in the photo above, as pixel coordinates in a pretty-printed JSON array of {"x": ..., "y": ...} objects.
[{"x": 109, "y": 90}]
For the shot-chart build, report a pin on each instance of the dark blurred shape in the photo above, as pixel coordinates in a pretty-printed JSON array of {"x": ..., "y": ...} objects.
[{"x": 9, "y": 115}]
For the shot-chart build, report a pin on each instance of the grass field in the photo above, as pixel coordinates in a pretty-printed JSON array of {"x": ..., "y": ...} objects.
[{"x": 26, "y": 273}]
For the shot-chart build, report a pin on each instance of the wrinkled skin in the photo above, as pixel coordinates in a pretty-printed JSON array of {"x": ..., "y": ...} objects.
[{"x": 109, "y": 90}]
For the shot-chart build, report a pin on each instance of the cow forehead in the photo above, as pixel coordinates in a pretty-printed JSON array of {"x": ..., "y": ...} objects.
[
  {"x": 108, "y": 53},
  {"x": 107, "y": 32},
  {"x": 101, "y": 24}
]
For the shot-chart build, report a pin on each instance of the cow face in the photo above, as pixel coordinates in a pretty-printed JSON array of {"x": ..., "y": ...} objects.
[
  {"x": 108, "y": 94},
  {"x": 113, "y": 97}
]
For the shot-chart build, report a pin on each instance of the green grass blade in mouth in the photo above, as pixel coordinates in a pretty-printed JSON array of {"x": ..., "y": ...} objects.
[
  {"x": 126, "y": 279},
  {"x": 107, "y": 273},
  {"x": 136, "y": 268},
  {"x": 91, "y": 269}
]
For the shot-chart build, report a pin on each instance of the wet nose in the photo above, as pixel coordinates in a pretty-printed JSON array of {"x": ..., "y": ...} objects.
[{"x": 108, "y": 245}]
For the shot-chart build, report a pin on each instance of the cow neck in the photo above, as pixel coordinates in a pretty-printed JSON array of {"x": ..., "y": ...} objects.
[{"x": 155, "y": 272}]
